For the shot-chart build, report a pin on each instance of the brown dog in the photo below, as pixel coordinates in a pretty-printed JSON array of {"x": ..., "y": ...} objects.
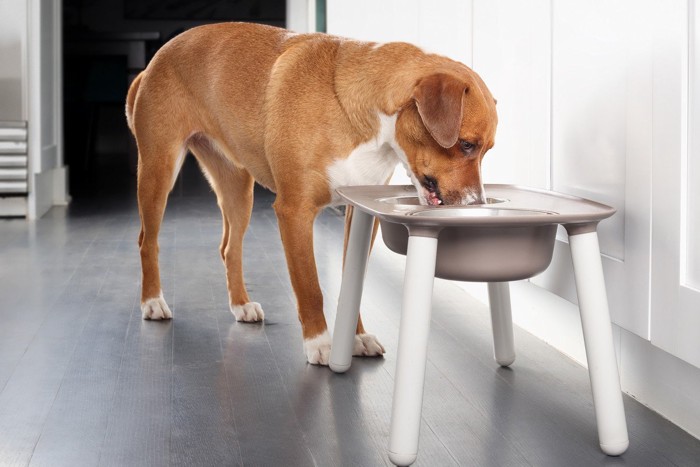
[{"x": 301, "y": 114}]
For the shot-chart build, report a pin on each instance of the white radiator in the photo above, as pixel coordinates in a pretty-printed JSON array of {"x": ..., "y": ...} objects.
[{"x": 13, "y": 168}]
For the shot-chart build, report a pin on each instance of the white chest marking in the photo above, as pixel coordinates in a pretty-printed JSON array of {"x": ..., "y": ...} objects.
[{"x": 370, "y": 163}]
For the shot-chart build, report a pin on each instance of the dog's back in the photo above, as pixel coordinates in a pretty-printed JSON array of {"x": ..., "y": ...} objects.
[{"x": 223, "y": 65}]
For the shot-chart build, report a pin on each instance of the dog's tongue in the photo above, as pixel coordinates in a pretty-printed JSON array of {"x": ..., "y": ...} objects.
[{"x": 433, "y": 199}]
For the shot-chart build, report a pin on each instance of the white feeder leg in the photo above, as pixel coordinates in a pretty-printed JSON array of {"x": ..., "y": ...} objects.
[
  {"x": 413, "y": 348},
  {"x": 600, "y": 351},
  {"x": 501, "y": 323},
  {"x": 351, "y": 291}
]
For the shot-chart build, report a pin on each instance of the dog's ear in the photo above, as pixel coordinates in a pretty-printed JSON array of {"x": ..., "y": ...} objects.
[{"x": 440, "y": 101}]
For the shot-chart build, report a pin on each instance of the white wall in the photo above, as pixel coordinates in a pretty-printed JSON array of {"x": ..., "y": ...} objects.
[
  {"x": 692, "y": 213},
  {"x": 13, "y": 32},
  {"x": 440, "y": 26},
  {"x": 298, "y": 15},
  {"x": 675, "y": 303},
  {"x": 593, "y": 98}
]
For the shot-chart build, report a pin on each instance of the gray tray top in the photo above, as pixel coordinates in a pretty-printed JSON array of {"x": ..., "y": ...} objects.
[{"x": 507, "y": 205}]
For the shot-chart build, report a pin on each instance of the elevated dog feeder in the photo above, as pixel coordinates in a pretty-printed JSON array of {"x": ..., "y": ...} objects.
[{"x": 509, "y": 238}]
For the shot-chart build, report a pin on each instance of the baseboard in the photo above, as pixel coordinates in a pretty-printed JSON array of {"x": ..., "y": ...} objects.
[
  {"x": 657, "y": 379},
  {"x": 13, "y": 206},
  {"x": 662, "y": 382},
  {"x": 60, "y": 186},
  {"x": 49, "y": 188}
]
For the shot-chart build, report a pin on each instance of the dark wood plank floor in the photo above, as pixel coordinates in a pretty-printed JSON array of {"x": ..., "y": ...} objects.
[{"x": 85, "y": 381}]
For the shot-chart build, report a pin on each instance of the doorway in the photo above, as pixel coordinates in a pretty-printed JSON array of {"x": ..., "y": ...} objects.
[{"x": 106, "y": 44}]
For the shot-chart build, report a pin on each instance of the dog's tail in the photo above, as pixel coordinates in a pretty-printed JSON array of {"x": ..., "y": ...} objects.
[{"x": 130, "y": 99}]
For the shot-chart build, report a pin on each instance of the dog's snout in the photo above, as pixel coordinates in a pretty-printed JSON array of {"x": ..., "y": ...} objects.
[
  {"x": 464, "y": 197},
  {"x": 474, "y": 197}
]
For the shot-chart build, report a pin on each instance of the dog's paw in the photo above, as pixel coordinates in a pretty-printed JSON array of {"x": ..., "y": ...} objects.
[
  {"x": 318, "y": 349},
  {"x": 250, "y": 312},
  {"x": 367, "y": 345},
  {"x": 156, "y": 308}
]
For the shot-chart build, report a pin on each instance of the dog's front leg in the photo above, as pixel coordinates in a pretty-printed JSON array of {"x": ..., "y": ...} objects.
[
  {"x": 366, "y": 345},
  {"x": 296, "y": 223}
]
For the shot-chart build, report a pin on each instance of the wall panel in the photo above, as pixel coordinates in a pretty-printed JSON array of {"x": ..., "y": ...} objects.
[{"x": 512, "y": 54}]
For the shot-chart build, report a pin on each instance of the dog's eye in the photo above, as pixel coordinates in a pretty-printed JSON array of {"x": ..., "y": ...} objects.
[{"x": 466, "y": 146}]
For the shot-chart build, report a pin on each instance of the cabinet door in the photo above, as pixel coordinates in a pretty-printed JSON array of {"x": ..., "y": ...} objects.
[
  {"x": 574, "y": 84},
  {"x": 573, "y": 81},
  {"x": 675, "y": 292},
  {"x": 602, "y": 120}
]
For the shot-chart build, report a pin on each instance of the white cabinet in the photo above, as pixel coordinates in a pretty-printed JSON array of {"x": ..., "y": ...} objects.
[
  {"x": 512, "y": 53},
  {"x": 675, "y": 293},
  {"x": 573, "y": 81},
  {"x": 599, "y": 99},
  {"x": 593, "y": 100}
]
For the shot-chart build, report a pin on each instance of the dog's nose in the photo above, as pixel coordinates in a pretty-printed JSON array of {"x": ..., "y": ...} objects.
[{"x": 474, "y": 197}]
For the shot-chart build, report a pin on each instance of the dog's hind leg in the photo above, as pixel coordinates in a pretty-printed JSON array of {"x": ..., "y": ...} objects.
[
  {"x": 157, "y": 117},
  {"x": 158, "y": 167},
  {"x": 234, "y": 191}
]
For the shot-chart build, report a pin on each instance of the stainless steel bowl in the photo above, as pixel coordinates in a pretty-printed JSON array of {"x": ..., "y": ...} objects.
[
  {"x": 511, "y": 237},
  {"x": 484, "y": 254}
]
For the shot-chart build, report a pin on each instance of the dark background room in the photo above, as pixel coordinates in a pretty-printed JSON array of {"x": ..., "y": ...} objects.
[{"x": 106, "y": 44}]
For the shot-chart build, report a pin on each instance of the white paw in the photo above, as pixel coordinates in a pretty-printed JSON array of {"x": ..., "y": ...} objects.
[
  {"x": 318, "y": 349},
  {"x": 156, "y": 308},
  {"x": 367, "y": 345},
  {"x": 249, "y": 312}
]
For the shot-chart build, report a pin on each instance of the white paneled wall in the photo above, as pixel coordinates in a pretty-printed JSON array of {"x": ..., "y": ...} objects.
[
  {"x": 601, "y": 126},
  {"x": 598, "y": 99},
  {"x": 446, "y": 34},
  {"x": 13, "y": 46},
  {"x": 418, "y": 22},
  {"x": 690, "y": 273},
  {"x": 589, "y": 108},
  {"x": 512, "y": 54},
  {"x": 675, "y": 304},
  {"x": 388, "y": 20}
]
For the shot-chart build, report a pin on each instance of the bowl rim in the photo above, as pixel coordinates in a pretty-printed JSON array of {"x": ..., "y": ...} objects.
[{"x": 547, "y": 207}]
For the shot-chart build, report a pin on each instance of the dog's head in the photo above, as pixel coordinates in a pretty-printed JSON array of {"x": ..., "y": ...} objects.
[{"x": 445, "y": 130}]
